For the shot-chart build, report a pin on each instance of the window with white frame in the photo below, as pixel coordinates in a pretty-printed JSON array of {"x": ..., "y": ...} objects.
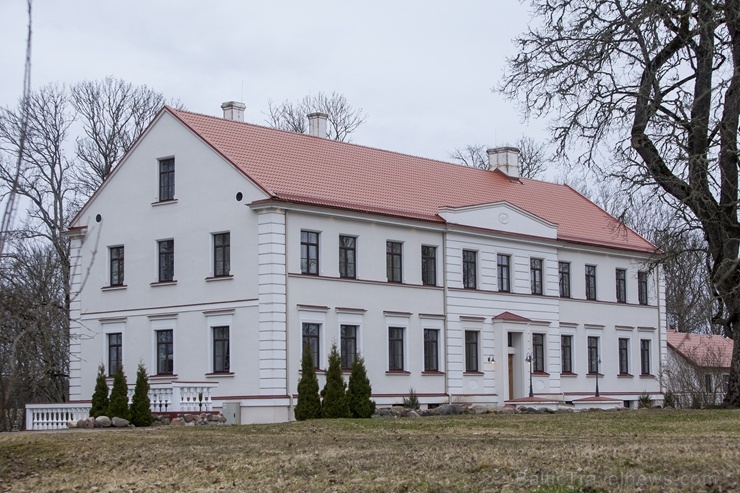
[
  {"x": 221, "y": 254},
  {"x": 311, "y": 334},
  {"x": 165, "y": 352},
  {"x": 538, "y": 352},
  {"x": 115, "y": 352},
  {"x": 593, "y": 354},
  {"x": 624, "y": 361},
  {"x": 348, "y": 345},
  {"x": 470, "y": 268},
  {"x": 645, "y": 356},
  {"x": 471, "y": 350},
  {"x": 221, "y": 350},
  {"x": 566, "y": 353},
  {"x": 431, "y": 350},
  {"x": 396, "y": 348},
  {"x": 116, "y": 265},
  {"x": 166, "y": 250},
  {"x": 535, "y": 273}
]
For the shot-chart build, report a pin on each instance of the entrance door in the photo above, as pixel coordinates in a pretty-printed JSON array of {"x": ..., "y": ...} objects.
[{"x": 511, "y": 376}]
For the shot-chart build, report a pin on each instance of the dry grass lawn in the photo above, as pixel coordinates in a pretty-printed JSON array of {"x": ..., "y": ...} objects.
[{"x": 598, "y": 451}]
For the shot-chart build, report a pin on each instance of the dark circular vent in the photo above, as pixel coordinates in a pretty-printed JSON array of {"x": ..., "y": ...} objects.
[
  {"x": 98, "y": 218},
  {"x": 239, "y": 196}
]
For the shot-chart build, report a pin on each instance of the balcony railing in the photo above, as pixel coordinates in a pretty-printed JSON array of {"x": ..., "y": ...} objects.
[{"x": 185, "y": 397}]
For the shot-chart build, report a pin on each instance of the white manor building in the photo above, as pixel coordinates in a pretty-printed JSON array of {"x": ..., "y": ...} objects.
[{"x": 217, "y": 248}]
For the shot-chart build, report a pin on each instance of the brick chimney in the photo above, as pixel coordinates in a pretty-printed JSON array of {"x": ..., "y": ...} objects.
[
  {"x": 317, "y": 124},
  {"x": 234, "y": 110},
  {"x": 504, "y": 158}
]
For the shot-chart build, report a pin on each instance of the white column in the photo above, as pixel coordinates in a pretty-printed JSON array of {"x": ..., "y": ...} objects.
[{"x": 272, "y": 302}]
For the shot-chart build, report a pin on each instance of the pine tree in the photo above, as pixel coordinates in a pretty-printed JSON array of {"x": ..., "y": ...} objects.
[
  {"x": 118, "y": 406},
  {"x": 359, "y": 391},
  {"x": 141, "y": 414},
  {"x": 335, "y": 403},
  {"x": 309, "y": 402},
  {"x": 100, "y": 396}
]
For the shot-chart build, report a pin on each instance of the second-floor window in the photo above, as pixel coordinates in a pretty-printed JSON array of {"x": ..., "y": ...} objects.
[
  {"x": 538, "y": 350},
  {"x": 429, "y": 265},
  {"x": 309, "y": 252},
  {"x": 642, "y": 287},
  {"x": 590, "y": 282},
  {"x": 621, "y": 276},
  {"x": 221, "y": 254},
  {"x": 166, "y": 260},
  {"x": 116, "y": 266},
  {"x": 564, "y": 278},
  {"x": 624, "y": 364},
  {"x": 469, "y": 269},
  {"x": 166, "y": 179},
  {"x": 393, "y": 261},
  {"x": 347, "y": 257},
  {"x": 535, "y": 271},
  {"x": 504, "y": 283}
]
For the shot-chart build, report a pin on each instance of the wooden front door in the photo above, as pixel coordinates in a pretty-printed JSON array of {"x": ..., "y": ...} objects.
[{"x": 511, "y": 376}]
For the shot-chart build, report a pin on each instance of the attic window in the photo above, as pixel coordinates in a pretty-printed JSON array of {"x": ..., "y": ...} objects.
[{"x": 166, "y": 179}]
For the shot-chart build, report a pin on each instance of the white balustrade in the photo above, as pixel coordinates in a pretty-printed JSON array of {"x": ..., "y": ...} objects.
[
  {"x": 54, "y": 416},
  {"x": 185, "y": 397}
]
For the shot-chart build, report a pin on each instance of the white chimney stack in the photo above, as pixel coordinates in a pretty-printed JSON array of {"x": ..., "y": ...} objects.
[
  {"x": 234, "y": 110},
  {"x": 317, "y": 124},
  {"x": 504, "y": 158}
]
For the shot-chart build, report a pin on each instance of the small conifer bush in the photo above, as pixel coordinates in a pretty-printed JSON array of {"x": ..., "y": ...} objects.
[
  {"x": 141, "y": 414},
  {"x": 118, "y": 405},
  {"x": 309, "y": 402},
  {"x": 359, "y": 391},
  {"x": 100, "y": 396},
  {"x": 334, "y": 404}
]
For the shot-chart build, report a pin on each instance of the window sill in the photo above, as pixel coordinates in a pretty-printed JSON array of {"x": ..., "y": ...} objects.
[
  {"x": 162, "y": 283},
  {"x": 473, "y": 373},
  {"x": 647, "y": 375},
  {"x": 164, "y": 376},
  {"x": 625, "y": 375},
  {"x": 318, "y": 371},
  {"x": 219, "y": 278},
  {"x": 540, "y": 373},
  {"x": 220, "y": 374},
  {"x": 432, "y": 373},
  {"x": 568, "y": 374},
  {"x": 594, "y": 375},
  {"x": 311, "y": 274},
  {"x": 164, "y": 202},
  {"x": 394, "y": 282},
  {"x": 397, "y": 372},
  {"x": 117, "y": 287}
]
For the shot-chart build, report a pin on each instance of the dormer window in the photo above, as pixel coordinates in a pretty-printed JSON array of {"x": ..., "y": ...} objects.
[{"x": 166, "y": 179}]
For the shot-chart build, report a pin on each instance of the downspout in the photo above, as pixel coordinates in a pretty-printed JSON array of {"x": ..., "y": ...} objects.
[
  {"x": 444, "y": 312},
  {"x": 291, "y": 410},
  {"x": 660, "y": 330}
]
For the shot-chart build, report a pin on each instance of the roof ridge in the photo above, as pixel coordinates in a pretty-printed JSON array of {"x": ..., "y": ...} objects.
[{"x": 339, "y": 142}]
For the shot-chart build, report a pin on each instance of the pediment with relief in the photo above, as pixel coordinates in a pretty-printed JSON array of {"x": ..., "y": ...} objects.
[{"x": 499, "y": 216}]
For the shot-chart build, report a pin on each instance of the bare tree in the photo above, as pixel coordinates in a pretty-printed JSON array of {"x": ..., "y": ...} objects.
[
  {"x": 343, "y": 119},
  {"x": 34, "y": 365},
  {"x": 531, "y": 157},
  {"x": 657, "y": 86},
  {"x": 113, "y": 114}
]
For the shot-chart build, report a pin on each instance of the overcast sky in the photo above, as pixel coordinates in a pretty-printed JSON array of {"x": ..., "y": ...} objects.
[{"x": 422, "y": 70}]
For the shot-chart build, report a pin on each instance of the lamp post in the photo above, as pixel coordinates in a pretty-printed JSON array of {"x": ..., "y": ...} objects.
[
  {"x": 598, "y": 364},
  {"x": 529, "y": 360}
]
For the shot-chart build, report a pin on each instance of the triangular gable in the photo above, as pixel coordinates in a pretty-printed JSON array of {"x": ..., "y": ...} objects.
[
  {"x": 500, "y": 216},
  {"x": 74, "y": 223}
]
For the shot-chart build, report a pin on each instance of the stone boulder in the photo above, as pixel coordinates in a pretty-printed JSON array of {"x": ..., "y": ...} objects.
[
  {"x": 72, "y": 424},
  {"x": 449, "y": 409},
  {"x": 478, "y": 409},
  {"x": 119, "y": 422},
  {"x": 188, "y": 418},
  {"x": 178, "y": 421},
  {"x": 102, "y": 422}
]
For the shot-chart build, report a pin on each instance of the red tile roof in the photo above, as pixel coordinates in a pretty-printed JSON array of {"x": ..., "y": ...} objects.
[
  {"x": 707, "y": 350},
  {"x": 511, "y": 317},
  {"x": 311, "y": 170}
]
